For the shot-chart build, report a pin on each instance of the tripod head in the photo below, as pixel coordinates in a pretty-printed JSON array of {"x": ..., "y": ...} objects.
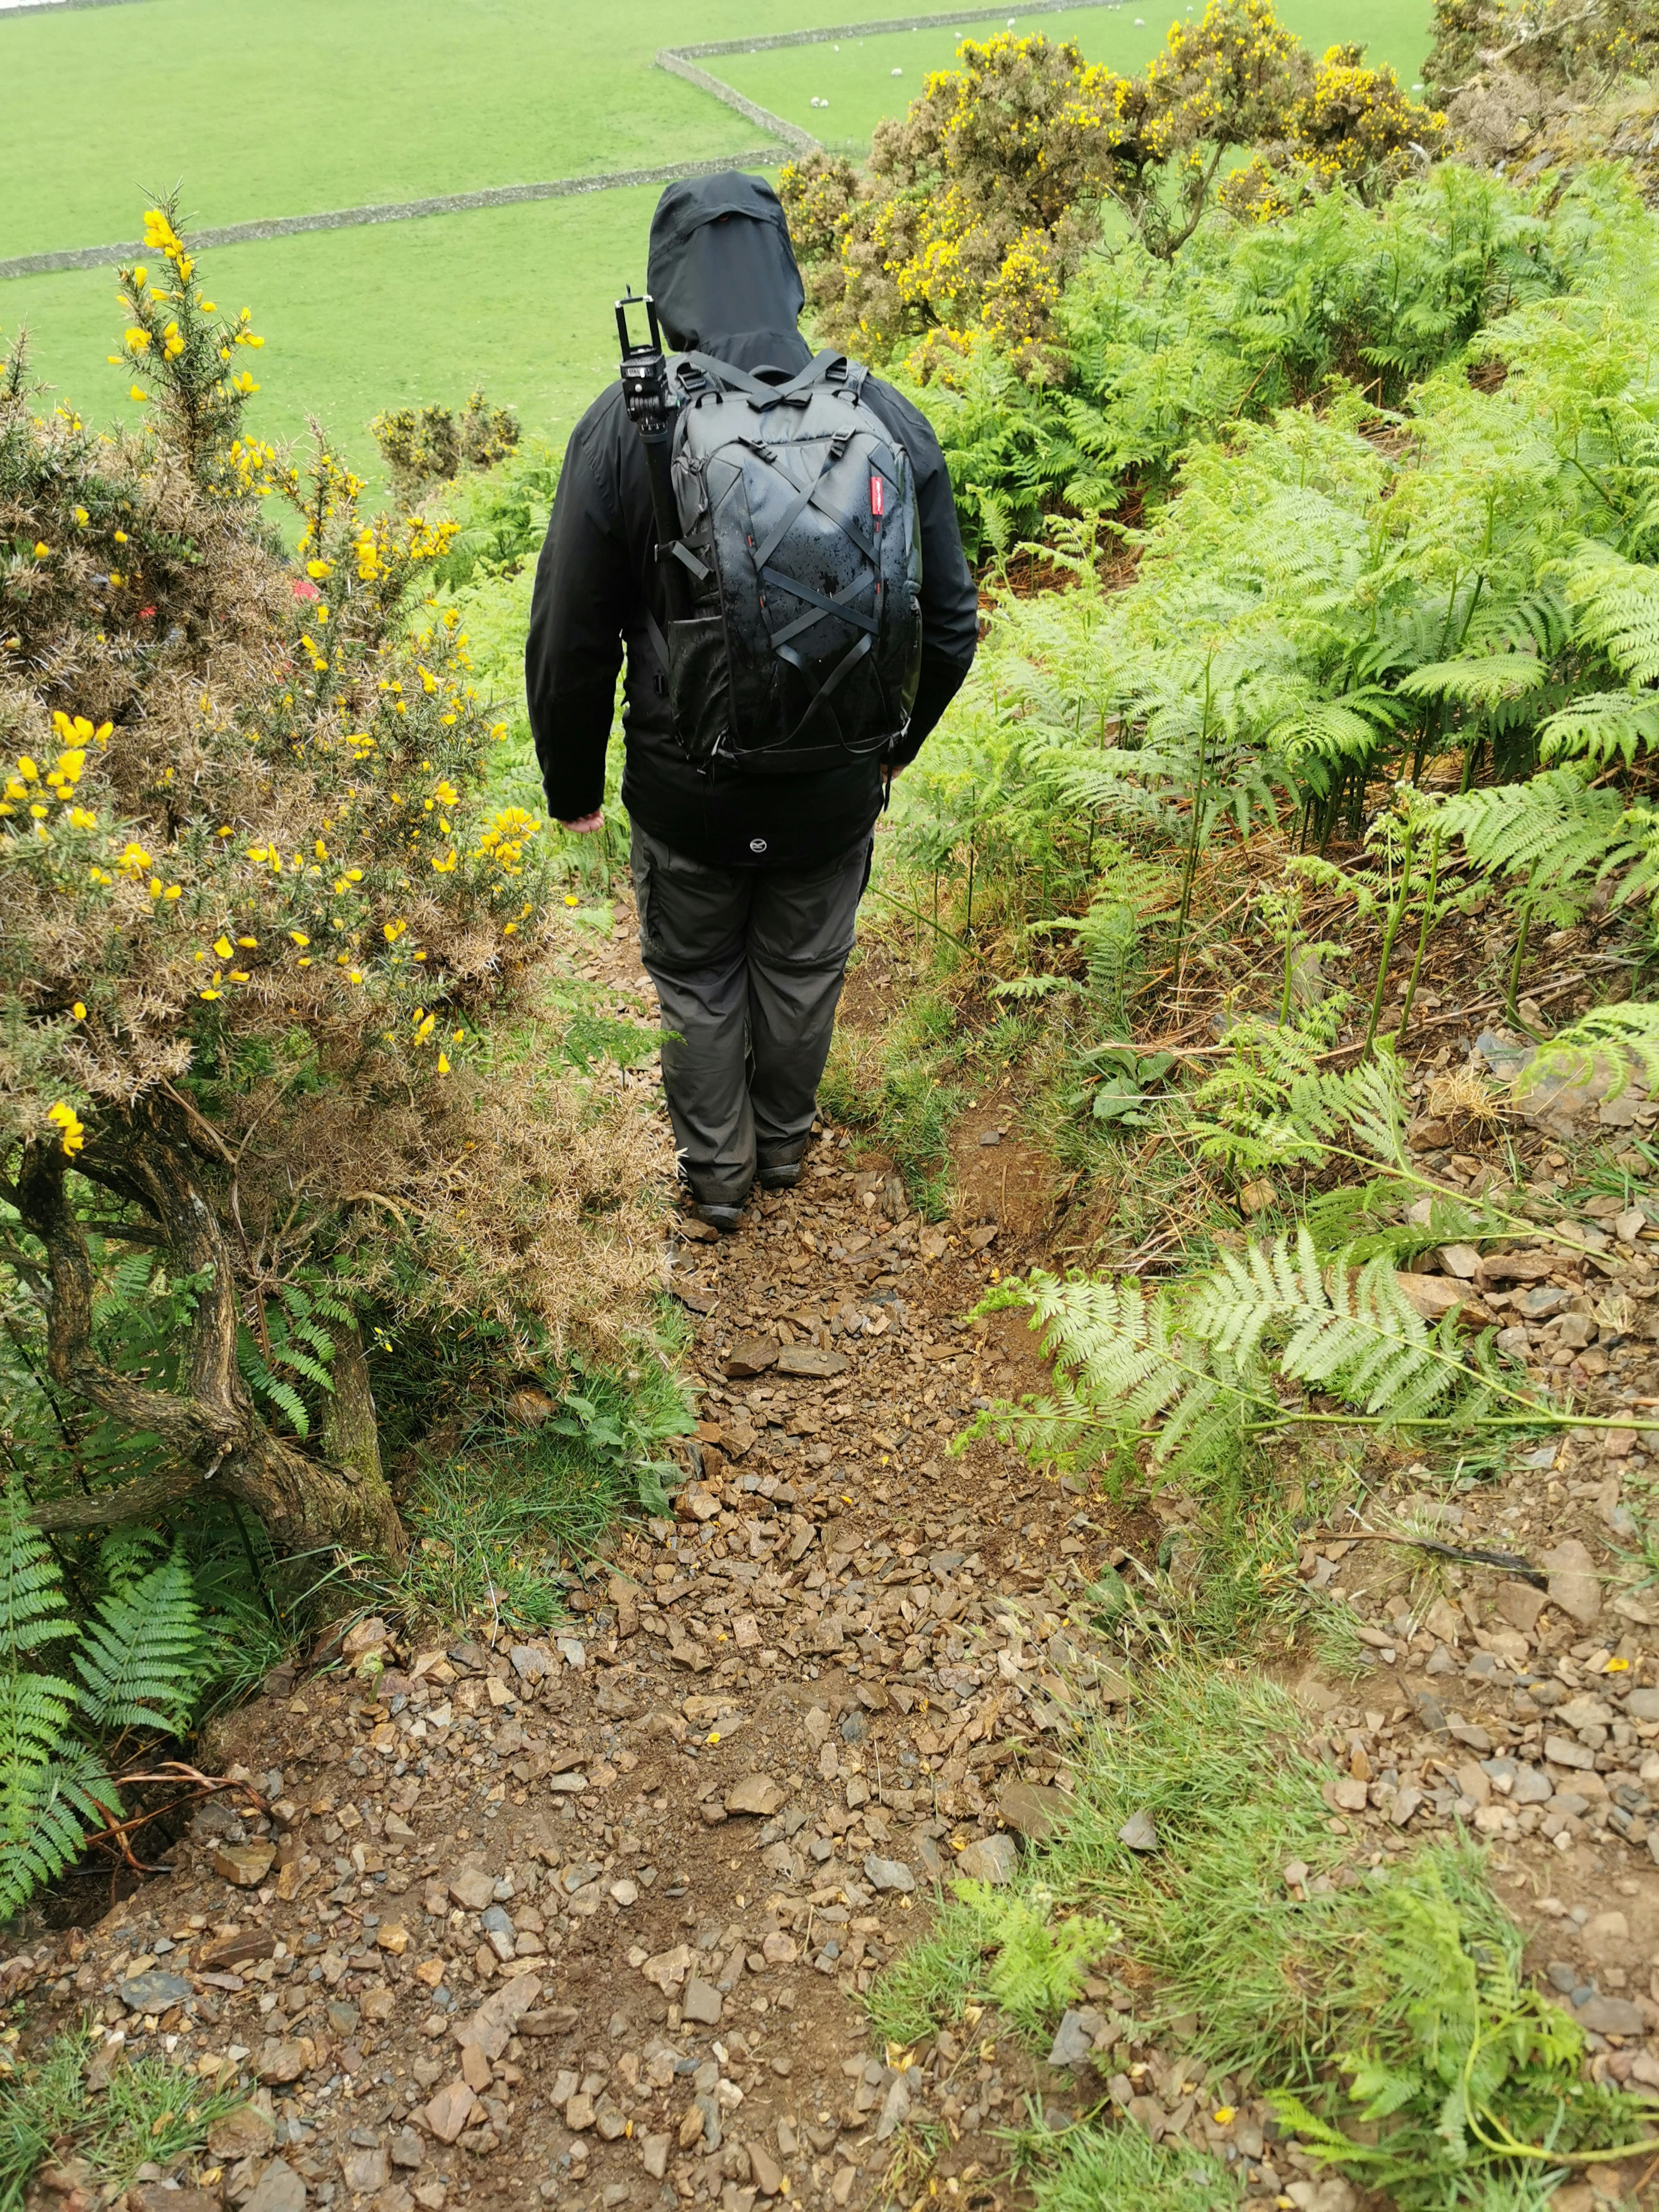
[{"x": 644, "y": 371}]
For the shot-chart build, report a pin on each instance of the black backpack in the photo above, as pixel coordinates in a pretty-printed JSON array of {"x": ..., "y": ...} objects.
[{"x": 793, "y": 634}]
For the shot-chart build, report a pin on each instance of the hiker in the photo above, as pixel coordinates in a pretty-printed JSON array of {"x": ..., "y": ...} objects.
[{"x": 763, "y": 724}]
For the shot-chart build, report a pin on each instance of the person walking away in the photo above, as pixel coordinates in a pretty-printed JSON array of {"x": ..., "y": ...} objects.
[{"x": 748, "y": 855}]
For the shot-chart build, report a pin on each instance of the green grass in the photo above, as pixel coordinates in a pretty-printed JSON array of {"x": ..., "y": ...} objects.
[
  {"x": 149, "y": 2111},
  {"x": 1122, "y": 2169},
  {"x": 1389, "y": 1995},
  {"x": 259, "y": 112},
  {"x": 499, "y": 1522}
]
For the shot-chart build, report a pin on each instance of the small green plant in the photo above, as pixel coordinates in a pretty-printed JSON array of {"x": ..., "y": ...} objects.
[
  {"x": 142, "y": 1658},
  {"x": 506, "y": 1516},
  {"x": 148, "y": 2111},
  {"x": 899, "y": 1089},
  {"x": 1384, "y": 2010}
]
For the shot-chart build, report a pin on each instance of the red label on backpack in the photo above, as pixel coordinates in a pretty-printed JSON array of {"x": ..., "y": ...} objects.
[{"x": 877, "y": 491}]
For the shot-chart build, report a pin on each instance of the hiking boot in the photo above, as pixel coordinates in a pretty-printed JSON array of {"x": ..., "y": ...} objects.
[
  {"x": 784, "y": 1177},
  {"x": 725, "y": 1218}
]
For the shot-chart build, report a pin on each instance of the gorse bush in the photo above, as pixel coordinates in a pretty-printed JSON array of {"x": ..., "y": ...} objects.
[
  {"x": 978, "y": 203},
  {"x": 272, "y": 959},
  {"x": 422, "y": 446}
]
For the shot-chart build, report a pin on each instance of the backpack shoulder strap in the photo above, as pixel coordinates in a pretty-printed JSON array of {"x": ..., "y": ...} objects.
[{"x": 820, "y": 370}]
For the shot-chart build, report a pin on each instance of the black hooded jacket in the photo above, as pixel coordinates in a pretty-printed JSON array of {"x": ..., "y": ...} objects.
[{"x": 724, "y": 282}]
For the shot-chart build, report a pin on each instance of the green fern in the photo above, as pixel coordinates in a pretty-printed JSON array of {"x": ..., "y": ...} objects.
[
  {"x": 50, "y": 1788},
  {"x": 32, "y": 1609},
  {"x": 141, "y": 1656},
  {"x": 265, "y": 1383},
  {"x": 1600, "y": 725},
  {"x": 1036, "y": 1965},
  {"x": 1193, "y": 1367},
  {"x": 1487, "y": 681},
  {"x": 1632, "y": 1027}
]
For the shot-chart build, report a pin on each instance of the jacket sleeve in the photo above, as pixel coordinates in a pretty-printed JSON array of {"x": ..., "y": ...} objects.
[
  {"x": 950, "y": 597},
  {"x": 574, "y": 646}
]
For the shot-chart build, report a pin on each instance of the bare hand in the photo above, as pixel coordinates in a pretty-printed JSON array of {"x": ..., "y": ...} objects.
[{"x": 586, "y": 821}]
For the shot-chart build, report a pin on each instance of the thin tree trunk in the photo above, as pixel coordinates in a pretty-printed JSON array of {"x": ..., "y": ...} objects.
[
  {"x": 210, "y": 1427},
  {"x": 351, "y": 1431}
]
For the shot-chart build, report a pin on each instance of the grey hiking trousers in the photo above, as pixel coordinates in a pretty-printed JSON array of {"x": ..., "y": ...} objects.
[{"x": 748, "y": 964}]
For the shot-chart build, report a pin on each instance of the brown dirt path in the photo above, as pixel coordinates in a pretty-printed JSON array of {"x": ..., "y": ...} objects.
[{"x": 587, "y": 1922}]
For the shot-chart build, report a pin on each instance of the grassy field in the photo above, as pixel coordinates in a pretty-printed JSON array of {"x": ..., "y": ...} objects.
[{"x": 260, "y": 111}]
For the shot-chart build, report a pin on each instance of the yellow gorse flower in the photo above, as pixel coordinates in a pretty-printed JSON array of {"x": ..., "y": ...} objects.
[{"x": 72, "y": 1135}]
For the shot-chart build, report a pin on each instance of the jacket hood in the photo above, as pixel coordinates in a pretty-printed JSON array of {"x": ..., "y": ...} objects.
[{"x": 722, "y": 273}]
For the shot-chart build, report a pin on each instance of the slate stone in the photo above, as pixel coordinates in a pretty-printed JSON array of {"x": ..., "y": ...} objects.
[
  {"x": 245, "y": 1866},
  {"x": 491, "y": 2027},
  {"x": 278, "y": 2189},
  {"x": 472, "y": 1888},
  {"x": 1612, "y": 2016},
  {"x": 1574, "y": 1586},
  {"x": 365, "y": 2170},
  {"x": 1035, "y": 1812},
  {"x": 282, "y": 2058},
  {"x": 991, "y": 1859},
  {"x": 812, "y": 1359},
  {"x": 750, "y": 1356},
  {"x": 888, "y": 1874},
  {"x": 447, "y": 2113},
  {"x": 1074, "y": 2038},
  {"x": 702, "y": 2003},
  {"x": 1138, "y": 1833},
  {"x": 154, "y": 1992},
  {"x": 1643, "y": 1704},
  {"x": 758, "y": 1794}
]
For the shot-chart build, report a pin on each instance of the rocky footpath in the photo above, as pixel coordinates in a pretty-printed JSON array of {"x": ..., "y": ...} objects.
[{"x": 586, "y": 1920}]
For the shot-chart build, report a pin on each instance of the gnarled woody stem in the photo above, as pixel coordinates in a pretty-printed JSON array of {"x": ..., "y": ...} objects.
[{"x": 210, "y": 1427}]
